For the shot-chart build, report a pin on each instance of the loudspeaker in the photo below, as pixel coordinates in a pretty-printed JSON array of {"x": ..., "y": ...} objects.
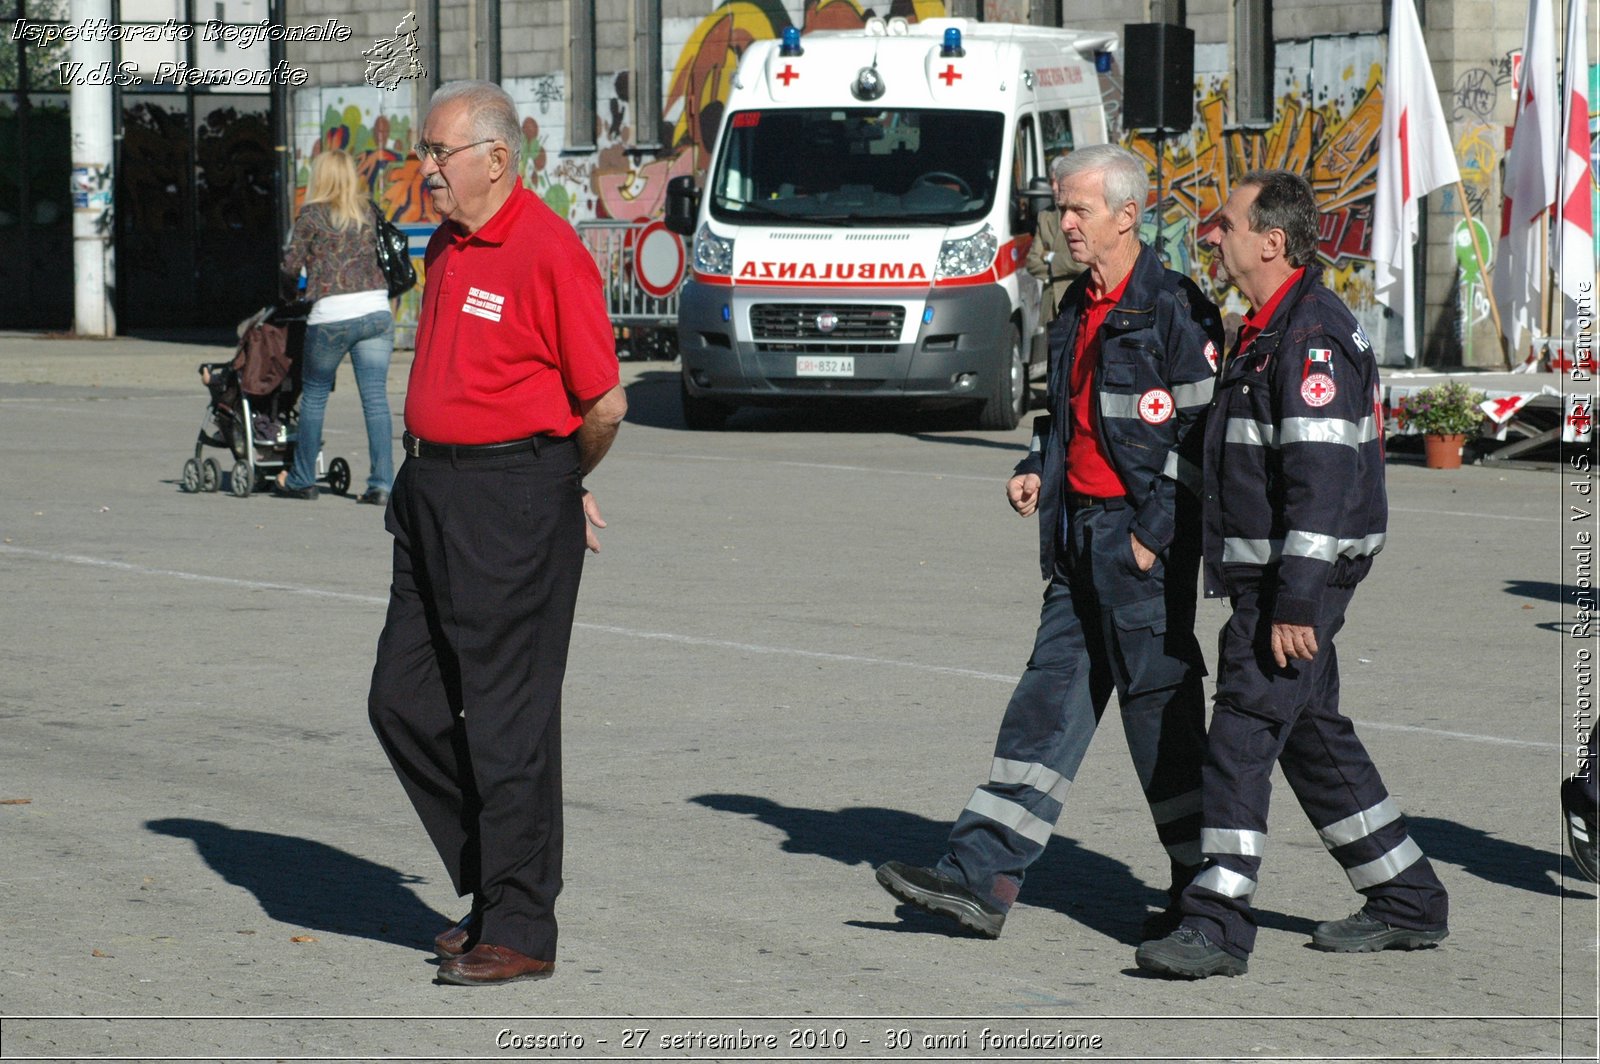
[{"x": 1157, "y": 77}]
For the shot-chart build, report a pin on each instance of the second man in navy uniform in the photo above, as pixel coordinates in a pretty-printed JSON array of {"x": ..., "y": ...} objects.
[
  {"x": 1295, "y": 510},
  {"x": 1113, "y": 475}
]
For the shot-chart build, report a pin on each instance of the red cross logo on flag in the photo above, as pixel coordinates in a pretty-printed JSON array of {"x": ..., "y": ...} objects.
[
  {"x": 1318, "y": 390},
  {"x": 1156, "y": 406},
  {"x": 1500, "y": 410}
]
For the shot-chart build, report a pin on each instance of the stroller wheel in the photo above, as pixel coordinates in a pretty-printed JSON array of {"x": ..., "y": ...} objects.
[
  {"x": 210, "y": 475},
  {"x": 240, "y": 481},
  {"x": 191, "y": 476},
  {"x": 338, "y": 476}
]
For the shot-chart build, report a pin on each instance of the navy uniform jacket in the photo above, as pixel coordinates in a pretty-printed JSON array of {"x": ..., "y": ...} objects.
[
  {"x": 1158, "y": 355},
  {"x": 1294, "y": 494}
]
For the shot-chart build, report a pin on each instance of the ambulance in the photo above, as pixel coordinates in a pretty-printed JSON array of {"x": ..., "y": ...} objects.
[{"x": 867, "y": 214}]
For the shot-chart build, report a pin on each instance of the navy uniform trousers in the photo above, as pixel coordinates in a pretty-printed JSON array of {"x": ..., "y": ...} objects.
[
  {"x": 1104, "y": 625},
  {"x": 466, "y": 692},
  {"x": 1263, "y": 716}
]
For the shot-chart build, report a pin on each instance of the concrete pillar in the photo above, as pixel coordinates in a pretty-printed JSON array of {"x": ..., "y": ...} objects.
[{"x": 93, "y": 222}]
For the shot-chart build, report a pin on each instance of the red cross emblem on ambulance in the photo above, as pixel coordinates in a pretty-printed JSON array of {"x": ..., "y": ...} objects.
[
  {"x": 1318, "y": 390},
  {"x": 1156, "y": 406}
]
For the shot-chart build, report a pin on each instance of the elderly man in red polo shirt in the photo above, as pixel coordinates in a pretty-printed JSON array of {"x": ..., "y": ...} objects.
[{"x": 514, "y": 397}]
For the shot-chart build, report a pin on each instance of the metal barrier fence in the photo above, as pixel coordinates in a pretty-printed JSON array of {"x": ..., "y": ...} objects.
[{"x": 642, "y": 265}]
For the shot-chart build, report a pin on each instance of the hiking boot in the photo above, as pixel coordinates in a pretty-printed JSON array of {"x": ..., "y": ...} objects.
[
  {"x": 1361, "y": 932},
  {"x": 1188, "y": 954},
  {"x": 927, "y": 889}
]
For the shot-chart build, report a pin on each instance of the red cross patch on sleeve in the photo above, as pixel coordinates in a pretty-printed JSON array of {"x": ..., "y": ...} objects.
[{"x": 1318, "y": 389}]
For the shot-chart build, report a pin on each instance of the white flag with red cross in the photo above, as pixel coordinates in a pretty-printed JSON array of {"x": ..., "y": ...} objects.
[
  {"x": 1576, "y": 264},
  {"x": 1415, "y": 156},
  {"x": 1501, "y": 409},
  {"x": 1530, "y": 182}
]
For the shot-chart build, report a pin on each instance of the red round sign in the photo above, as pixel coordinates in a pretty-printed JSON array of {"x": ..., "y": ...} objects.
[{"x": 658, "y": 260}]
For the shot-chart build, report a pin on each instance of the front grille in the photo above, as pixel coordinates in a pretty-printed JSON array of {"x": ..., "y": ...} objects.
[{"x": 798, "y": 321}]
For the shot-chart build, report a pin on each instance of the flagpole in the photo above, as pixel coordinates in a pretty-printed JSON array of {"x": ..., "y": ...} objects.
[
  {"x": 1544, "y": 271},
  {"x": 1483, "y": 271}
]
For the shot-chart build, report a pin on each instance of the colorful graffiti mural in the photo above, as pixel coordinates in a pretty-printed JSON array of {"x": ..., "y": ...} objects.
[{"x": 1325, "y": 125}]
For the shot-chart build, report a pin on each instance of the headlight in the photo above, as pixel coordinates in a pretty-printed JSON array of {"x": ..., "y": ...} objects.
[
  {"x": 967, "y": 256},
  {"x": 712, "y": 253}
]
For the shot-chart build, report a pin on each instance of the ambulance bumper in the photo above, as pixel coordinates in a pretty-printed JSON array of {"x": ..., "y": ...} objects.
[{"x": 955, "y": 339}]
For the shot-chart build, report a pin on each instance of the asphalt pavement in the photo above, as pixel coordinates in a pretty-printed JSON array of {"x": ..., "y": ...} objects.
[{"x": 790, "y": 660}]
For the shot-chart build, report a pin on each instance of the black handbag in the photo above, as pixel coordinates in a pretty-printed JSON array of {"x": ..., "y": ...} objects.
[{"x": 394, "y": 256}]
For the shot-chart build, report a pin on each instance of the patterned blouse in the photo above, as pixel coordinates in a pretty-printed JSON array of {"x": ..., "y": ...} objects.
[{"x": 337, "y": 261}]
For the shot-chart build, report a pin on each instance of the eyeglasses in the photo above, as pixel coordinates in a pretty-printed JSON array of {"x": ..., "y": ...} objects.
[{"x": 439, "y": 154}]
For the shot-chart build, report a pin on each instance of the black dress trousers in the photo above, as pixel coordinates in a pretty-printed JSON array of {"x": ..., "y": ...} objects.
[{"x": 466, "y": 691}]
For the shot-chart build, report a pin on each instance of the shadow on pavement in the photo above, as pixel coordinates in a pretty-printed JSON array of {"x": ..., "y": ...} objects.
[
  {"x": 1489, "y": 857},
  {"x": 1098, "y": 891},
  {"x": 312, "y": 885}
]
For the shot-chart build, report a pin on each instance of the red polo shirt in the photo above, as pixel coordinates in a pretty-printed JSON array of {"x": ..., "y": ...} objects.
[
  {"x": 1089, "y": 471},
  {"x": 1257, "y": 321},
  {"x": 513, "y": 333}
]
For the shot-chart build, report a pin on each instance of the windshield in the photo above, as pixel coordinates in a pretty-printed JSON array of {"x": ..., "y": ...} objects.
[{"x": 858, "y": 165}]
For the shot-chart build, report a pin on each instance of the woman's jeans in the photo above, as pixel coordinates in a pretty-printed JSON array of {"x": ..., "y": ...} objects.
[{"x": 370, "y": 341}]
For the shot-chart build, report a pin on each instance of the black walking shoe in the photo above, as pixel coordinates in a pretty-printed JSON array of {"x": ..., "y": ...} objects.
[
  {"x": 374, "y": 497},
  {"x": 1188, "y": 954},
  {"x": 284, "y": 491},
  {"x": 1583, "y": 834},
  {"x": 927, "y": 889},
  {"x": 1161, "y": 924},
  {"x": 1361, "y": 932}
]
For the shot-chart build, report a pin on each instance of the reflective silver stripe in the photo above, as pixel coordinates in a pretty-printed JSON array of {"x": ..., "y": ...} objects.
[
  {"x": 1329, "y": 548},
  {"x": 1185, "y": 853},
  {"x": 1183, "y": 471},
  {"x": 1219, "y": 880},
  {"x": 1011, "y": 815},
  {"x": 1251, "y": 551},
  {"x": 1176, "y": 808},
  {"x": 1115, "y": 405},
  {"x": 1359, "y": 825},
  {"x": 1386, "y": 867},
  {"x": 1196, "y": 394},
  {"x": 1328, "y": 430},
  {"x": 1233, "y": 840},
  {"x": 1032, "y": 774},
  {"x": 1250, "y": 433}
]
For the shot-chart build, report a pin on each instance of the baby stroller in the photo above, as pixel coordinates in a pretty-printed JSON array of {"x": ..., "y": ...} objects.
[{"x": 253, "y": 411}]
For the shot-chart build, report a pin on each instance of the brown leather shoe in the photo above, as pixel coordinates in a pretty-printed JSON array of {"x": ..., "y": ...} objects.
[
  {"x": 454, "y": 942},
  {"x": 486, "y": 965}
]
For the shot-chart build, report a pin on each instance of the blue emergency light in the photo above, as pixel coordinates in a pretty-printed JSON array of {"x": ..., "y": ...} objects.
[
  {"x": 952, "y": 43},
  {"x": 791, "y": 42},
  {"x": 1102, "y": 62}
]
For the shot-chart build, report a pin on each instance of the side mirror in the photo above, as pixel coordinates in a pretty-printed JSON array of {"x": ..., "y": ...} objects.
[
  {"x": 1038, "y": 196},
  {"x": 683, "y": 205}
]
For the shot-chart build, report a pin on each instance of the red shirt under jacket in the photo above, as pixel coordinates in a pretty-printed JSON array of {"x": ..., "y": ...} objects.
[{"x": 1089, "y": 472}]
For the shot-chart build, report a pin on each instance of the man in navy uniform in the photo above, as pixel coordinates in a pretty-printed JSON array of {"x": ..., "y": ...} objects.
[
  {"x": 1295, "y": 510},
  {"x": 1113, "y": 475}
]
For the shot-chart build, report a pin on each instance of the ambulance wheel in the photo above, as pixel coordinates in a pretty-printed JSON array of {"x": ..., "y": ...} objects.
[
  {"x": 1008, "y": 390},
  {"x": 191, "y": 476},
  {"x": 338, "y": 476},
  {"x": 239, "y": 480},
  {"x": 703, "y": 415},
  {"x": 210, "y": 475}
]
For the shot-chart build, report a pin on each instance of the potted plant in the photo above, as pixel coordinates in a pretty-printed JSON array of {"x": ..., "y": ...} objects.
[{"x": 1445, "y": 414}]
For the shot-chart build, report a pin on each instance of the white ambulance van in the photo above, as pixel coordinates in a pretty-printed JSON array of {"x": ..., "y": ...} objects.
[{"x": 868, "y": 211}]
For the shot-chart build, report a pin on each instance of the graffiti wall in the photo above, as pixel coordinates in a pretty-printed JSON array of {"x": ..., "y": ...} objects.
[{"x": 1329, "y": 107}]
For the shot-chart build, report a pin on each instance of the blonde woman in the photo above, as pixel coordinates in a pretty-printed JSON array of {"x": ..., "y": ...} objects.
[{"x": 335, "y": 241}]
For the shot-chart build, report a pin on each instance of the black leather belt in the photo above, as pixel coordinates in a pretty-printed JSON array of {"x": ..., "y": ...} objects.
[
  {"x": 1076, "y": 501},
  {"x": 468, "y": 451}
]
